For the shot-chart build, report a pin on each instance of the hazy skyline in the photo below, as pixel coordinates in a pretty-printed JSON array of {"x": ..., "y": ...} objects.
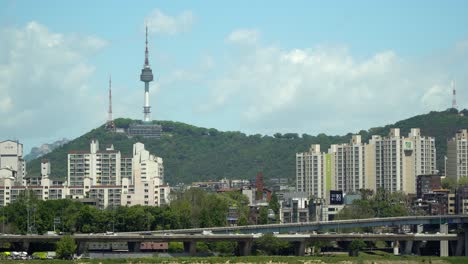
[{"x": 262, "y": 67}]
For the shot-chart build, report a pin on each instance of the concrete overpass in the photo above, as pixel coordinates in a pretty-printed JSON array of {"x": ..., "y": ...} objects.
[
  {"x": 245, "y": 241},
  {"x": 443, "y": 221}
]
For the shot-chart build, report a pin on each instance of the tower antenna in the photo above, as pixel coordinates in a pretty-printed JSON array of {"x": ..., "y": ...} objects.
[
  {"x": 110, "y": 120},
  {"x": 146, "y": 49},
  {"x": 454, "y": 94}
]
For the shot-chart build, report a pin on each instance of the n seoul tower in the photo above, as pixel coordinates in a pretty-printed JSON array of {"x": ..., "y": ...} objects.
[{"x": 146, "y": 77}]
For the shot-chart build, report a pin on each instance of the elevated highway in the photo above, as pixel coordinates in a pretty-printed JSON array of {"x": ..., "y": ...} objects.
[{"x": 317, "y": 226}]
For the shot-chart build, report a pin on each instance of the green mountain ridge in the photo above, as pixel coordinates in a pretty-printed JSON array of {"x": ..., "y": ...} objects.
[{"x": 193, "y": 153}]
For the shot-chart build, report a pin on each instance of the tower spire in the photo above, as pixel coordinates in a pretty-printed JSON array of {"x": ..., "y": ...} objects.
[{"x": 146, "y": 49}]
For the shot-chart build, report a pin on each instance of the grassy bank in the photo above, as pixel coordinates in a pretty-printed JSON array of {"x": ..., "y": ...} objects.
[{"x": 363, "y": 258}]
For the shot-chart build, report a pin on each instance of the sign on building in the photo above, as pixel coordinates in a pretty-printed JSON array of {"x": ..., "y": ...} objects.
[
  {"x": 407, "y": 145},
  {"x": 336, "y": 197}
]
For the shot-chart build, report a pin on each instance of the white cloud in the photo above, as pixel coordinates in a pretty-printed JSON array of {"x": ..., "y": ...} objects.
[
  {"x": 244, "y": 36},
  {"x": 44, "y": 82},
  {"x": 160, "y": 23},
  {"x": 437, "y": 96},
  {"x": 328, "y": 89}
]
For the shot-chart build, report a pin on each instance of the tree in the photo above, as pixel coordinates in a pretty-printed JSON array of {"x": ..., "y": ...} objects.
[
  {"x": 66, "y": 247},
  {"x": 449, "y": 183},
  {"x": 263, "y": 216},
  {"x": 355, "y": 246},
  {"x": 274, "y": 204},
  {"x": 271, "y": 245},
  {"x": 463, "y": 181}
]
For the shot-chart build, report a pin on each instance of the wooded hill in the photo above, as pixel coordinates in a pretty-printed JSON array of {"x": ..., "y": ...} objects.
[{"x": 195, "y": 154}]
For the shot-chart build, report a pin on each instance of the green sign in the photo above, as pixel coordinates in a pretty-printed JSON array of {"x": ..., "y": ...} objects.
[{"x": 407, "y": 145}]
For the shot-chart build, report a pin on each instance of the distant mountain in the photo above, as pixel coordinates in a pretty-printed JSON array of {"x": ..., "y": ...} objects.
[
  {"x": 193, "y": 153},
  {"x": 37, "y": 152}
]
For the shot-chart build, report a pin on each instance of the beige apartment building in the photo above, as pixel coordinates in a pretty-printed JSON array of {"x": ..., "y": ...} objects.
[
  {"x": 398, "y": 160},
  {"x": 310, "y": 176},
  {"x": 349, "y": 165},
  {"x": 457, "y": 155},
  {"x": 391, "y": 162}
]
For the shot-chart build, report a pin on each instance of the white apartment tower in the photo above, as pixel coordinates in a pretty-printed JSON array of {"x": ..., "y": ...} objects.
[
  {"x": 310, "y": 172},
  {"x": 12, "y": 163},
  {"x": 102, "y": 167},
  {"x": 457, "y": 155},
  {"x": 349, "y": 165}
]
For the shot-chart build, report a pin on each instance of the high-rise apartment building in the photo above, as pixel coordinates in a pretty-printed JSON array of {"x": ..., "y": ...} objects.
[
  {"x": 102, "y": 167},
  {"x": 12, "y": 163},
  {"x": 310, "y": 172},
  {"x": 349, "y": 165},
  {"x": 398, "y": 160},
  {"x": 457, "y": 155},
  {"x": 391, "y": 163}
]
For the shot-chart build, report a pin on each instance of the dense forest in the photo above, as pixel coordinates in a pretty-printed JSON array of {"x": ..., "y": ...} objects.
[{"x": 194, "y": 154}]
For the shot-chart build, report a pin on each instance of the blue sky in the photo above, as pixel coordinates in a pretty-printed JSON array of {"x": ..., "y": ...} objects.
[{"x": 263, "y": 67}]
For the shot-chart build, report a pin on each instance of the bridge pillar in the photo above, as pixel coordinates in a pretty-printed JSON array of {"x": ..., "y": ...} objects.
[
  {"x": 190, "y": 247},
  {"x": 396, "y": 248},
  {"x": 457, "y": 246},
  {"x": 408, "y": 247},
  {"x": 444, "y": 249},
  {"x": 245, "y": 248},
  {"x": 417, "y": 248},
  {"x": 134, "y": 246},
  {"x": 81, "y": 247},
  {"x": 299, "y": 248},
  {"x": 25, "y": 245},
  {"x": 465, "y": 229}
]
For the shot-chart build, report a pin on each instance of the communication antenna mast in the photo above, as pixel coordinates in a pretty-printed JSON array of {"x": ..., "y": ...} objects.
[
  {"x": 454, "y": 94},
  {"x": 110, "y": 121}
]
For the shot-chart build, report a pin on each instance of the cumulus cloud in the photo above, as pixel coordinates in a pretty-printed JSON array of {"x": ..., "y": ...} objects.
[
  {"x": 44, "y": 82},
  {"x": 243, "y": 36},
  {"x": 328, "y": 89},
  {"x": 160, "y": 23}
]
